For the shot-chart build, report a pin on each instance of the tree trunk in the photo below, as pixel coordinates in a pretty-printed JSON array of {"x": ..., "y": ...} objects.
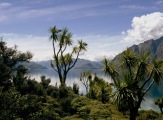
[
  {"x": 60, "y": 77},
  {"x": 64, "y": 79},
  {"x": 161, "y": 110},
  {"x": 63, "y": 84},
  {"x": 86, "y": 89},
  {"x": 133, "y": 113},
  {"x": 134, "y": 110}
]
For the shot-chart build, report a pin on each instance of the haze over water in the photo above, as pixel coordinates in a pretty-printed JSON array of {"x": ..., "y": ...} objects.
[{"x": 74, "y": 76}]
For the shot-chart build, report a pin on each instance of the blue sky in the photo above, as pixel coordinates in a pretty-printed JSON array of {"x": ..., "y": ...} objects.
[{"x": 108, "y": 26}]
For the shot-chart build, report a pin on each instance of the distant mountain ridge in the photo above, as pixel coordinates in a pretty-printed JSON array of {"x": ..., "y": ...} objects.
[
  {"x": 80, "y": 64},
  {"x": 154, "y": 47},
  {"x": 33, "y": 65}
]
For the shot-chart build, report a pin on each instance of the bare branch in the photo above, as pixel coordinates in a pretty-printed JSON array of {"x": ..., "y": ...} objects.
[
  {"x": 74, "y": 61},
  {"x": 146, "y": 90},
  {"x": 150, "y": 76}
]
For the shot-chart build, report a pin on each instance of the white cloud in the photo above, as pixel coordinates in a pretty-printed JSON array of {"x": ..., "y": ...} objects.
[
  {"x": 160, "y": 2},
  {"x": 4, "y": 5},
  {"x": 146, "y": 27},
  {"x": 98, "y": 45},
  {"x": 62, "y": 10},
  {"x": 35, "y": 12},
  {"x": 132, "y": 7},
  {"x": 28, "y": 10},
  {"x": 102, "y": 45},
  {"x": 40, "y": 46}
]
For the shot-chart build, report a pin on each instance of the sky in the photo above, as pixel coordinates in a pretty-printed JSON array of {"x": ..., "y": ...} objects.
[{"x": 108, "y": 26}]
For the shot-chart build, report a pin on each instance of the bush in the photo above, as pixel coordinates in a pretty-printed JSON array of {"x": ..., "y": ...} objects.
[
  {"x": 148, "y": 115},
  {"x": 75, "y": 88},
  {"x": 63, "y": 92}
]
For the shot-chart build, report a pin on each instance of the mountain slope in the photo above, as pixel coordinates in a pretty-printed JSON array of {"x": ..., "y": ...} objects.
[{"x": 154, "y": 47}]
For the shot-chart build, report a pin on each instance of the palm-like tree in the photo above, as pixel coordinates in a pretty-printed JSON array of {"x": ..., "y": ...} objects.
[
  {"x": 85, "y": 78},
  {"x": 63, "y": 61},
  {"x": 54, "y": 33},
  {"x": 98, "y": 88},
  {"x": 134, "y": 80}
]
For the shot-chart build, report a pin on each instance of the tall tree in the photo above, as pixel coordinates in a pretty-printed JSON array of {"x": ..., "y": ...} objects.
[
  {"x": 9, "y": 62},
  {"x": 85, "y": 78},
  {"x": 135, "y": 77},
  {"x": 64, "y": 60}
]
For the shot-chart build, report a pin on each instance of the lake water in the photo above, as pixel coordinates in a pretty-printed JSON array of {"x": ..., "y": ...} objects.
[{"x": 74, "y": 76}]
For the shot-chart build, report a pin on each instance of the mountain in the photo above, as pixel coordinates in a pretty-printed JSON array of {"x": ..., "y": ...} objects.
[
  {"x": 154, "y": 47},
  {"x": 45, "y": 63},
  {"x": 86, "y": 64},
  {"x": 80, "y": 64},
  {"x": 33, "y": 65}
]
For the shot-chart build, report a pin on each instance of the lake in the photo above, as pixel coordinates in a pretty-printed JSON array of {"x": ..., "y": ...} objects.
[{"x": 74, "y": 76}]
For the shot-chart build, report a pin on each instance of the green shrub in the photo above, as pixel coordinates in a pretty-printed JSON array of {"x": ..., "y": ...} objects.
[{"x": 148, "y": 115}]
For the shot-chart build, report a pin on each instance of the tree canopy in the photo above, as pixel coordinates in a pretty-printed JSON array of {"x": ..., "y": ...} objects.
[
  {"x": 10, "y": 60},
  {"x": 64, "y": 61},
  {"x": 133, "y": 79}
]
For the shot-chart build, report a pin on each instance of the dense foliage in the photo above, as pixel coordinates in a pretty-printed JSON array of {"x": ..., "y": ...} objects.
[
  {"x": 23, "y": 98},
  {"x": 133, "y": 79}
]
